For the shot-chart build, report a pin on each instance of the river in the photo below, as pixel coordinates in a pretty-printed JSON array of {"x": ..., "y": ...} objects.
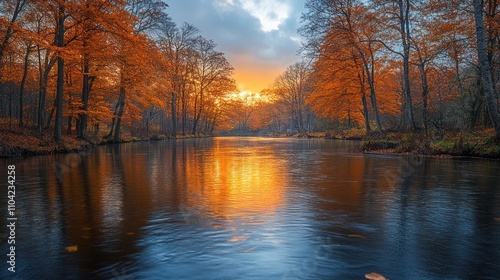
[{"x": 250, "y": 208}]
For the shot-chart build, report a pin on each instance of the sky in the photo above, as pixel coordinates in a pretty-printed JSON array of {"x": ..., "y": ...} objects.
[{"x": 259, "y": 37}]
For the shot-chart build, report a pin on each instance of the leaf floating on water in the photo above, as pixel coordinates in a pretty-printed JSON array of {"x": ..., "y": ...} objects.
[
  {"x": 354, "y": 235},
  {"x": 497, "y": 219},
  {"x": 71, "y": 249},
  {"x": 375, "y": 276},
  {"x": 86, "y": 228},
  {"x": 130, "y": 233}
]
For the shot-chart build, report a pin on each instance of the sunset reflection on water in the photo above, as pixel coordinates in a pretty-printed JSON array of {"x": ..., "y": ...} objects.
[
  {"x": 253, "y": 208},
  {"x": 235, "y": 184}
]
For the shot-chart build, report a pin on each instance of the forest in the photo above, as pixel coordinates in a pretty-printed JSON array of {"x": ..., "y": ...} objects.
[{"x": 418, "y": 74}]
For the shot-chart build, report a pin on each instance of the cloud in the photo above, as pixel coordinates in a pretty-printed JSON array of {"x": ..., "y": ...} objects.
[
  {"x": 259, "y": 37},
  {"x": 270, "y": 13}
]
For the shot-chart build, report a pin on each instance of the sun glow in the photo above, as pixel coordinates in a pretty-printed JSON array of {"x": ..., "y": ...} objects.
[{"x": 249, "y": 98}]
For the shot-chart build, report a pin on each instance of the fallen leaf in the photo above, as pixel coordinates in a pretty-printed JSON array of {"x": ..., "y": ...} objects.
[
  {"x": 86, "y": 228},
  {"x": 375, "y": 276},
  {"x": 71, "y": 249},
  {"x": 497, "y": 219},
  {"x": 130, "y": 233}
]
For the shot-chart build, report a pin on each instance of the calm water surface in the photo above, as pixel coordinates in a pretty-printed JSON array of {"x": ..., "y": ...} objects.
[{"x": 251, "y": 208}]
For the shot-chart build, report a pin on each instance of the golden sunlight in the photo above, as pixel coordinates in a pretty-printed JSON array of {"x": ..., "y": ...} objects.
[{"x": 240, "y": 183}]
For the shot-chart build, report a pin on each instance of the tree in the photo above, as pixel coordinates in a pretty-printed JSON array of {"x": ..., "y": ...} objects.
[
  {"x": 14, "y": 8},
  {"x": 146, "y": 17},
  {"x": 482, "y": 53},
  {"x": 351, "y": 33},
  {"x": 396, "y": 15},
  {"x": 61, "y": 17},
  {"x": 292, "y": 87},
  {"x": 177, "y": 45},
  {"x": 211, "y": 71}
]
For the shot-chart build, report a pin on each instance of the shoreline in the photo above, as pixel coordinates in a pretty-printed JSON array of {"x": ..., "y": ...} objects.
[
  {"x": 455, "y": 145},
  {"x": 15, "y": 144}
]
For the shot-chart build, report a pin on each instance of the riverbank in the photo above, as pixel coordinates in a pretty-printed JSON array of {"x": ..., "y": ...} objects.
[
  {"x": 455, "y": 145},
  {"x": 19, "y": 142},
  {"x": 452, "y": 144},
  {"x": 23, "y": 142}
]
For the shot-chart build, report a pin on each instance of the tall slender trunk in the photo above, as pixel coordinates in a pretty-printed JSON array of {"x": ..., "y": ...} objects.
[
  {"x": 174, "y": 116},
  {"x": 23, "y": 83},
  {"x": 121, "y": 106},
  {"x": 197, "y": 112},
  {"x": 361, "y": 79},
  {"x": 85, "y": 92},
  {"x": 43, "y": 78},
  {"x": 365, "y": 112},
  {"x": 113, "y": 121},
  {"x": 49, "y": 120},
  {"x": 370, "y": 70},
  {"x": 404, "y": 14},
  {"x": 486, "y": 77},
  {"x": 184, "y": 112},
  {"x": 425, "y": 93},
  {"x": 60, "y": 73}
]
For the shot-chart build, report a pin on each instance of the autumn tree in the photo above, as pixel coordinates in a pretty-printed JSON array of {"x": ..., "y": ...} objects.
[
  {"x": 345, "y": 31},
  {"x": 177, "y": 45},
  {"x": 60, "y": 30},
  {"x": 10, "y": 11},
  {"x": 212, "y": 73},
  {"x": 396, "y": 16},
  {"x": 486, "y": 75},
  {"x": 97, "y": 21},
  {"x": 293, "y": 88},
  {"x": 146, "y": 17}
]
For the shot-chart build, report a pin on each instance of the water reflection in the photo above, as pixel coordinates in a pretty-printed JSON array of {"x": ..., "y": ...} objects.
[{"x": 254, "y": 208}]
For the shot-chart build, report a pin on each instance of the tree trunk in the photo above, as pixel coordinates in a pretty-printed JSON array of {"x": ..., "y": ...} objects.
[
  {"x": 121, "y": 105},
  {"x": 197, "y": 112},
  {"x": 361, "y": 79},
  {"x": 49, "y": 120},
  {"x": 43, "y": 78},
  {"x": 60, "y": 74},
  {"x": 486, "y": 77},
  {"x": 365, "y": 113},
  {"x": 404, "y": 13},
  {"x": 174, "y": 116},
  {"x": 184, "y": 112},
  {"x": 23, "y": 83},
  {"x": 113, "y": 121},
  {"x": 425, "y": 93},
  {"x": 85, "y": 94},
  {"x": 369, "y": 67},
  {"x": 373, "y": 97}
]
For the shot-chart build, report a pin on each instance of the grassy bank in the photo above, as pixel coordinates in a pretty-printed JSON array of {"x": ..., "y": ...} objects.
[
  {"x": 22, "y": 142},
  {"x": 351, "y": 134},
  {"x": 19, "y": 142},
  {"x": 457, "y": 144}
]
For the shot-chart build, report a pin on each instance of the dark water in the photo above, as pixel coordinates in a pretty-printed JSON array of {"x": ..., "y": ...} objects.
[{"x": 251, "y": 208}]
